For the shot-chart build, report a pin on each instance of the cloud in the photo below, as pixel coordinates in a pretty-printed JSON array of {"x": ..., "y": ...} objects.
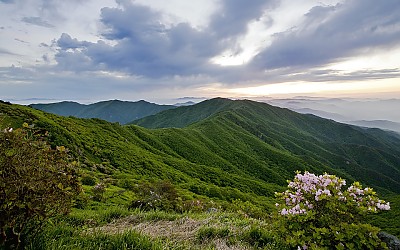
[
  {"x": 233, "y": 17},
  {"x": 21, "y": 41},
  {"x": 142, "y": 45},
  {"x": 6, "y": 52},
  {"x": 6, "y": 1},
  {"x": 35, "y": 20},
  {"x": 66, "y": 42},
  {"x": 329, "y": 75},
  {"x": 330, "y": 33}
]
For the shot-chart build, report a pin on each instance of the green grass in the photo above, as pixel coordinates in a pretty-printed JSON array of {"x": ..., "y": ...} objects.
[
  {"x": 66, "y": 238},
  {"x": 207, "y": 233},
  {"x": 93, "y": 229}
]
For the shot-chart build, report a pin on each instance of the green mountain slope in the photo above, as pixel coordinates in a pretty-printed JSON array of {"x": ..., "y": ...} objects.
[
  {"x": 185, "y": 115},
  {"x": 369, "y": 154},
  {"x": 112, "y": 111},
  {"x": 239, "y": 149}
]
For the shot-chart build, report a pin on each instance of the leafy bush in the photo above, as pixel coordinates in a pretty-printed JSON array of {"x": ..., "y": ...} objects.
[
  {"x": 88, "y": 180},
  {"x": 195, "y": 205},
  {"x": 98, "y": 191},
  {"x": 258, "y": 237},
  {"x": 318, "y": 213},
  {"x": 126, "y": 184},
  {"x": 248, "y": 209},
  {"x": 36, "y": 182},
  {"x": 158, "y": 195},
  {"x": 81, "y": 201}
]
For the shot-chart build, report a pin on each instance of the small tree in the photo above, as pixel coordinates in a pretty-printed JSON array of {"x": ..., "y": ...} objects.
[
  {"x": 36, "y": 182},
  {"x": 319, "y": 213}
]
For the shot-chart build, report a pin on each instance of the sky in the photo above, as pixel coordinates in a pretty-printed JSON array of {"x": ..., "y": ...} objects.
[{"x": 166, "y": 51}]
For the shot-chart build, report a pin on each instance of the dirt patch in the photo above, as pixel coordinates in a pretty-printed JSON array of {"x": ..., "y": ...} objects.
[{"x": 182, "y": 229}]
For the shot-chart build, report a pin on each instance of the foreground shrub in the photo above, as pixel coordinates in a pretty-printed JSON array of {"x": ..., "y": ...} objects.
[
  {"x": 258, "y": 237},
  {"x": 88, "y": 180},
  {"x": 248, "y": 209},
  {"x": 160, "y": 195},
  {"x": 319, "y": 213},
  {"x": 98, "y": 191},
  {"x": 36, "y": 182}
]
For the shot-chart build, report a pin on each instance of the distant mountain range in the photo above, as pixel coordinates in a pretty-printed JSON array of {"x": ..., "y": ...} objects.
[
  {"x": 372, "y": 113},
  {"x": 112, "y": 111},
  {"x": 382, "y": 124}
]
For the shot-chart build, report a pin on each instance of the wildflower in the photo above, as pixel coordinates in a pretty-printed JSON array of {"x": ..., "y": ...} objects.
[
  {"x": 284, "y": 211},
  {"x": 9, "y": 130},
  {"x": 307, "y": 190}
]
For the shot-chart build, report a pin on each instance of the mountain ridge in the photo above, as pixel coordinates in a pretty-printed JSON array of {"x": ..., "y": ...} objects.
[
  {"x": 111, "y": 110},
  {"x": 186, "y": 114}
]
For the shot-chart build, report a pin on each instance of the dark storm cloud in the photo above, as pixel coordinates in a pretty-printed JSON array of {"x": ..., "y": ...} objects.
[
  {"x": 334, "y": 32},
  {"x": 35, "y": 20}
]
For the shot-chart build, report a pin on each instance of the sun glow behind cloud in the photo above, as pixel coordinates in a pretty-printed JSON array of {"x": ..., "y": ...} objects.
[
  {"x": 257, "y": 37},
  {"x": 325, "y": 88},
  {"x": 370, "y": 60}
]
